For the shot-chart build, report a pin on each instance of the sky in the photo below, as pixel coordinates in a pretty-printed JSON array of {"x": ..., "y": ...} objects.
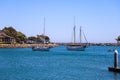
[{"x": 99, "y": 19}]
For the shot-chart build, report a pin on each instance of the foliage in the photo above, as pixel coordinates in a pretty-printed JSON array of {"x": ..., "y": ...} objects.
[
  {"x": 47, "y": 39},
  {"x": 10, "y": 31},
  {"x": 19, "y": 36},
  {"x": 118, "y": 39},
  {"x": 41, "y": 38},
  {"x": 32, "y": 38}
]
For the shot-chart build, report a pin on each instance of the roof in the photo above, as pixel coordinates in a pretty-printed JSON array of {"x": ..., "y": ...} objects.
[{"x": 3, "y": 35}]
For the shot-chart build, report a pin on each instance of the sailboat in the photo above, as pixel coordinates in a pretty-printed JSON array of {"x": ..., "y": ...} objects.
[
  {"x": 43, "y": 48},
  {"x": 77, "y": 46}
]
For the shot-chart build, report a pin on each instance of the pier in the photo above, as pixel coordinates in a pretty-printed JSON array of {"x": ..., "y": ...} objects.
[{"x": 115, "y": 68}]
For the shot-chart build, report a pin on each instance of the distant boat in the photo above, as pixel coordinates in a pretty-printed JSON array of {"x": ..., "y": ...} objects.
[
  {"x": 77, "y": 46},
  {"x": 40, "y": 48},
  {"x": 44, "y": 47}
]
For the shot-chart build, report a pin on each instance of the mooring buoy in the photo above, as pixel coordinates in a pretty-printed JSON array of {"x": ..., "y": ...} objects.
[{"x": 115, "y": 68}]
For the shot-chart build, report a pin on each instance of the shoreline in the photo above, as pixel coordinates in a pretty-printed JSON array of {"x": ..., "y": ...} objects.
[
  {"x": 26, "y": 45},
  {"x": 94, "y": 44},
  {"x": 51, "y": 45},
  {"x": 104, "y": 44}
]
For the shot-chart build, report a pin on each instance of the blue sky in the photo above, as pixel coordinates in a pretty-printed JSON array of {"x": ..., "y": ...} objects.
[{"x": 100, "y": 19}]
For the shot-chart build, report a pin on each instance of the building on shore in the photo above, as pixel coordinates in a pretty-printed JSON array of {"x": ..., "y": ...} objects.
[{"x": 5, "y": 39}]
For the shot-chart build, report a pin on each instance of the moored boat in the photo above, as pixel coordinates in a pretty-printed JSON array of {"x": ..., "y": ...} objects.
[
  {"x": 77, "y": 46},
  {"x": 44, "y": 47},
  {"x": 40, "y": 48}
]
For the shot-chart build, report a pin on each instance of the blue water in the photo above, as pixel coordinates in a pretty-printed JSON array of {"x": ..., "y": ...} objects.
[{"x": 58, "y": 64}]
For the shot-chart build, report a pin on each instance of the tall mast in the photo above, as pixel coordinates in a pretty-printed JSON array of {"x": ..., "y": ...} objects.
[
  {"x": 80, "y": 35},
  {"x": 74, "y": 31},
  {"x": 44, "y": 30},
  {"x": 44, "y": 27}
]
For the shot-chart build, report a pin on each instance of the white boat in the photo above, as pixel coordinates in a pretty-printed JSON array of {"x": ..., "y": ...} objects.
[
  {"x": 44, "y": 47},
  {"x": 77, "y": 46}
]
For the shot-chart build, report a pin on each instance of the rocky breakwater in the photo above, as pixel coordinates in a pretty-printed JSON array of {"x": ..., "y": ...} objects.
[{"x": 26, "y": 45}]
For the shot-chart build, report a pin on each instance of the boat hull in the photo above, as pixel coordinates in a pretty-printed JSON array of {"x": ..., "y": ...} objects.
[
  {"x": 40, "y": 49},
  {"x": 76, "y": 48}
]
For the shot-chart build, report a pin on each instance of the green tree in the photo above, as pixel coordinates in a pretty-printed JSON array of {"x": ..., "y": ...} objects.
[
  {"x": 32, "y": 38},
  {"x": 41, "y": 38},
  {"x": 20, "y": 38},
  {"x": 47, "y": 39},
  {"x": 10, "y": 31},
  {"x": 118, "y": 38}
]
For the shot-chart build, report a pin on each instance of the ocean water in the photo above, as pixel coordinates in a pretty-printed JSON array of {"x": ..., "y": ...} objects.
[{"x": 58, "y": 64}]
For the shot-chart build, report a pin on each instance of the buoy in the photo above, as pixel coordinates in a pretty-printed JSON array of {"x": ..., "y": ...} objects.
[
  {"x": 115, "y": 68},
  {"x": 116, "y": 59}
]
